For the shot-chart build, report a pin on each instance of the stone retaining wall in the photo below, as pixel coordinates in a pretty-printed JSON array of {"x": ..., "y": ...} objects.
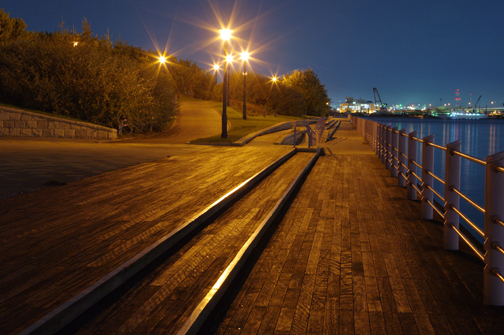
[{"x": 16, "y": 122}]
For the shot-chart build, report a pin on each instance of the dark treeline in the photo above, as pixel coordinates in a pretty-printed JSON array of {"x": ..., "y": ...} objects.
[
  {"x": 94, "y": 79},
  {"x": 297, "y": 93}
]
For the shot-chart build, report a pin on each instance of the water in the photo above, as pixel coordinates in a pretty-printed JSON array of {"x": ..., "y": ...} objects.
[{"x": 479, "y": 138}]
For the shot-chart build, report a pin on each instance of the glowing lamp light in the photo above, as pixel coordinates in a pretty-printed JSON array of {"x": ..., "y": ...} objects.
[
  {"x": 162, "y": 59},
  {"x": 225, "y": 34},
  {"x": 216, "y": 67},
  {"x": 229, "y": 58},
  {"x": 245, "y": 55},
  {"x": 75, "y": 43},
  {"x": 274, "y": 79}
]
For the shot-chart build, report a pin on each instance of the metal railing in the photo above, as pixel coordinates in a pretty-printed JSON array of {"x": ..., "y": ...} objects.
[{"x": 393, "y": 145}]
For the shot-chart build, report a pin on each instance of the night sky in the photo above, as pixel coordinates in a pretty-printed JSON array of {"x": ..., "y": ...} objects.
[{"x": 413, "y": 51}]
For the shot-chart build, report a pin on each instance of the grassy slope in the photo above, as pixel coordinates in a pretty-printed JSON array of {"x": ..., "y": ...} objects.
[{"x": 240, "y": 127}]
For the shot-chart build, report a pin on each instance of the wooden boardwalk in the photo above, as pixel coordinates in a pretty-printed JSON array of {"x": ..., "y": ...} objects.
[
  {"x": 352, "y": 256},
  {"x": 162, "y": 302},
  {"x": 56, "y": 242}
]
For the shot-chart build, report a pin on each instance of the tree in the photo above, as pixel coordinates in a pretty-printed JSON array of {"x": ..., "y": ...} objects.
[
  {"x": 306, "y": 82},
  {"x": 90, "y": 81},
  {"x": 11, "y": 29}
]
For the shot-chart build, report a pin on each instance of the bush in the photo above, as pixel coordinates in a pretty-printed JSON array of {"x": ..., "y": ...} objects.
[{"x": 90, "y": 81}]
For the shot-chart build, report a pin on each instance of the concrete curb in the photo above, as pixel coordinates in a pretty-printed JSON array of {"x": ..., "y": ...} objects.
[
  {"x": 245, "y": 140},
  {"x": 290, "y": 140},
  {"x": 228, "y": 122},
  {"x": 331, "y": 133},
  {"x": 331, "y": 124},
  {"x": 208, "y": 303},
  {"x": 70, "y": 310}
]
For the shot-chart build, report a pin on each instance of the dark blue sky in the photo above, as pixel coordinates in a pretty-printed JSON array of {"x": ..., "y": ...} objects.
[{"x": 411, "y": 50}]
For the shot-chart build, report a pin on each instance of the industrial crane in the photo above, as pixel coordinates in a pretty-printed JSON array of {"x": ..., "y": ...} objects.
[
  {"x": 383, "y": 106},
  {"x": 476, "y": 104}
]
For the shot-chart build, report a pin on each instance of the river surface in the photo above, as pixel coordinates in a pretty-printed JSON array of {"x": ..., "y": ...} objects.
[{"x": 479, "y": 138}]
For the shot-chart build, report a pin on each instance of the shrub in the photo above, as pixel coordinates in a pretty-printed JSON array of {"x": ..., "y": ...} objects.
[{"x": 90, "y": 81}]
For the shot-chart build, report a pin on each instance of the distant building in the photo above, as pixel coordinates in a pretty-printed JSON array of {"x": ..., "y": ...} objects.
[{"x": 352, "y": 105}]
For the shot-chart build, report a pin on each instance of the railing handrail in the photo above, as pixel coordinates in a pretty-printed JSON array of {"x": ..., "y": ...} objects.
[
  {"x": 437, "y": 146},
  {"x": 469, "y": 157},
  {"x": 382, "y": 137},
  {"x": 454, "y": 152},
  {"x": 466, "y": 198},
  {"x": 436, "y": 177}
]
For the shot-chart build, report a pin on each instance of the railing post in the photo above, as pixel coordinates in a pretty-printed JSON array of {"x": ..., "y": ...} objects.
[
  {"x": 402, "y": 160},
  {"x": 368, "y": 133},
  {"x": 384, "y": 143},
  {"x": 493, "y": 287},
  {"x": 380, "y": 142},
  {"x": 388, "y": 151},
  {"x": 452, "y": 179},
  {"x": 376, "y": 138},
  {"x": 393, "y": 152},
  {"x": 412, "y": 156},
  {"x": 427, "y": 166}
]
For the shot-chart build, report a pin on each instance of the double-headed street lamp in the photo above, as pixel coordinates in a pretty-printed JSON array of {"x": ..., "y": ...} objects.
[
  {"x": 245, "y": 57},
  {"x": 225, "y": 35},
  {"x": 229, "y": 60}
]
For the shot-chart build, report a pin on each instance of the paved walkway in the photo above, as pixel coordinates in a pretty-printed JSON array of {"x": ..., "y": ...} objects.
[
  {"x": 56, "y": 242},
  {"x": 161, "y": 303},
  {"x": 352, "y": 256},
  {"x": 197, "y": 119},
  {"x": 28, "y": 164}
]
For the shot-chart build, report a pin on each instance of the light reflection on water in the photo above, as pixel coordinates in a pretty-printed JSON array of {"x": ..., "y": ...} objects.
[{"x": 479, "y": 138}]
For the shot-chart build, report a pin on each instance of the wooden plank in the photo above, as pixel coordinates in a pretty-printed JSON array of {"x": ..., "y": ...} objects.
[
  {"x": 152, "y": 218},
  {"x": 408, "y": 323},
  {"x": 350, "y": 256}
]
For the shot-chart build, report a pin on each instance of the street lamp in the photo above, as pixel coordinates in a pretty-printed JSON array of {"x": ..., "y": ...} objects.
[
  {"x": 245, "y": 57},
  {"x": 229, "y": 60},
  {"x": 225, "y": 35}
]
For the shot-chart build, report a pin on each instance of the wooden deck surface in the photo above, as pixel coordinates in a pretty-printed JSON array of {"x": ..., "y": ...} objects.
[
  {"x": 352, "y": 256},
  {"x": 56, "y": 242},
  {"x": 162, "y": 302}
]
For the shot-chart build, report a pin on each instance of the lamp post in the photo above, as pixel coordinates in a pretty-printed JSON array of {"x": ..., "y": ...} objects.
[
  {"x": 274, "y": 80},
  {"x": 245, "y": 56},
  {"x": 225, "y": 34},
  {"x": 229, "y": 60},
  {"x": 216, "y": 69}
]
